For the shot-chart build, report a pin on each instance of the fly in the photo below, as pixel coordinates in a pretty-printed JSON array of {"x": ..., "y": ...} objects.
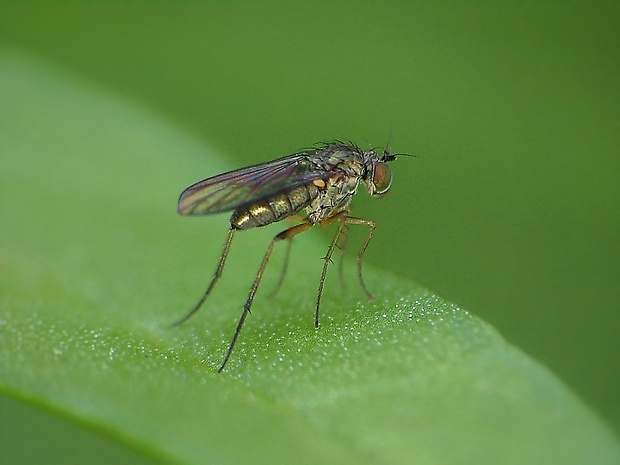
[{"x": 320, "y": 181}]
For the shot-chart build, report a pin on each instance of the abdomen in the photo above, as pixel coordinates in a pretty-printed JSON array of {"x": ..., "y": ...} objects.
[{"x": 275, "y": 207}]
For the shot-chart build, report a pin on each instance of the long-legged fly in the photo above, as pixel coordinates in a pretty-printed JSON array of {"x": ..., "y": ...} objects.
[{"x": 321, "y": 180}]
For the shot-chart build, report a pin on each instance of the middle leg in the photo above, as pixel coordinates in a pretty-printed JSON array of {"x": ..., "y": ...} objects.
[{"x": 284, "y": 235}]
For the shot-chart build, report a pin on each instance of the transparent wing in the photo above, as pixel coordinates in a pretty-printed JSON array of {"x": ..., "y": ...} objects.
[{"x": 230, "y": 190}]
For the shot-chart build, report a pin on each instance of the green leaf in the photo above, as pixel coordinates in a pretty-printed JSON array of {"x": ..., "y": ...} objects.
[{"x": 95, "y": 265}]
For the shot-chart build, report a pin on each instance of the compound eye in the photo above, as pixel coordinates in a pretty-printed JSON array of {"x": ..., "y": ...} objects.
[{"x": 382, "y": 178}]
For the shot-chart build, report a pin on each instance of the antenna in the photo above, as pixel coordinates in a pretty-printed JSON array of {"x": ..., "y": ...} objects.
[{"x": 387, "y": 151}]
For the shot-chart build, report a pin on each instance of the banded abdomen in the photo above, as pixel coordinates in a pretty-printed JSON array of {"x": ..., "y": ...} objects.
[{"x": 275, "y": 207}]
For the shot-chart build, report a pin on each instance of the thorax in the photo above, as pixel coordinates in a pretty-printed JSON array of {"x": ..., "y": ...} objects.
[{"x": 335, "y": 192}]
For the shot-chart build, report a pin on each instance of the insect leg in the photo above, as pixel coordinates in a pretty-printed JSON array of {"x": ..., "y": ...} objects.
[
  {"x": 371, "y": 226},
  {"x": 284, "y": 235},
  {"x": 218, "y": 273},
  {"x": 342, "y": 218},
  {"x": 342, "y": 244},
  {"x": 289, "y": 244},
  {"x": 292, "y": 220}
]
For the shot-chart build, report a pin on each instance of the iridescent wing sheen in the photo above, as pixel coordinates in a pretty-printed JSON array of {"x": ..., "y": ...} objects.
[{"x": 230, "y": 190}]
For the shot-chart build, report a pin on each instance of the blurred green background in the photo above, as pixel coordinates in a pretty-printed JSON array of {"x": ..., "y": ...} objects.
[{"x": 510, "y": 208}]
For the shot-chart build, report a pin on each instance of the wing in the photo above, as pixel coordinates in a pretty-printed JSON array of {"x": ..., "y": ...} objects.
[{"x": 230, "y": 190}]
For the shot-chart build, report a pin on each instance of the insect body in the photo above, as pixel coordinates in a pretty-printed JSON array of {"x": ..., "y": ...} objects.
[{"x": 322, "y": 181}]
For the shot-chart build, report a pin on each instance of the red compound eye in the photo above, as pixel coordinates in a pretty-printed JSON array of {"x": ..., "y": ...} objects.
[{"x": 382, "y": 178}]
